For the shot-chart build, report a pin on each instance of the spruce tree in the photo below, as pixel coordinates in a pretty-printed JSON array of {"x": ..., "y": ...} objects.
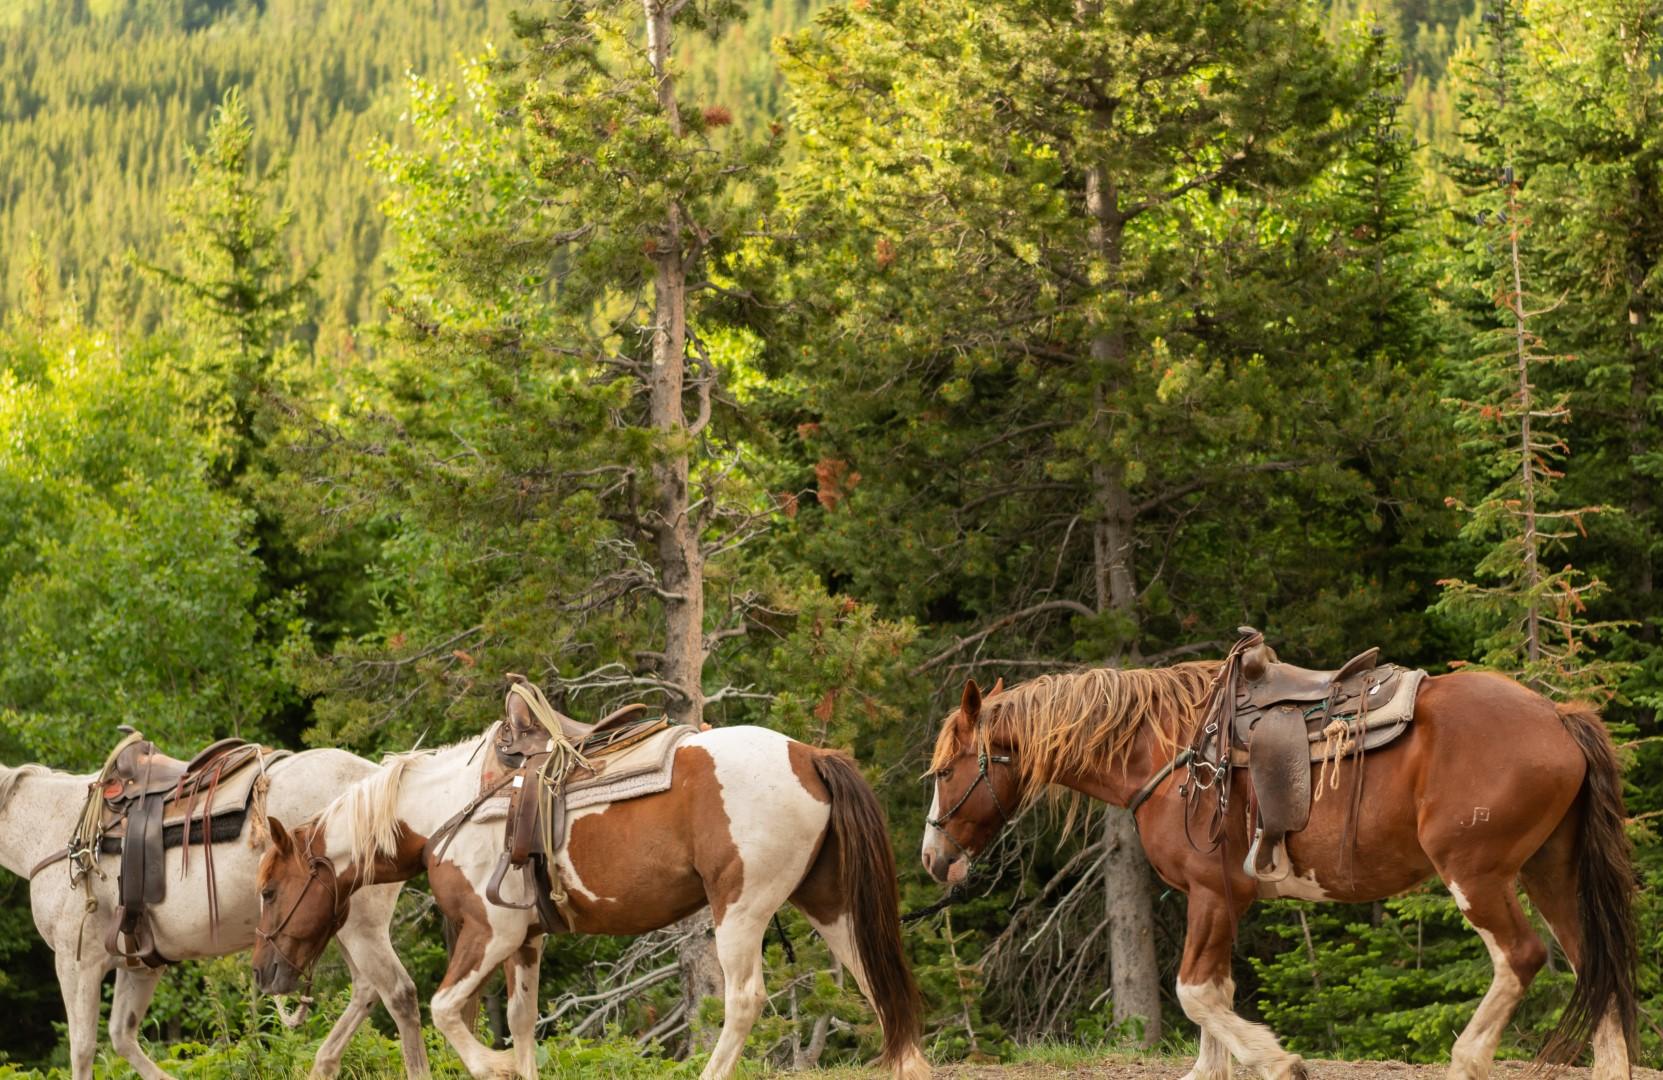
[
  {"x": 1527, "y": 608},
  {"x": 234, "y": 287},
  {"x": 1063, "y": 339}
]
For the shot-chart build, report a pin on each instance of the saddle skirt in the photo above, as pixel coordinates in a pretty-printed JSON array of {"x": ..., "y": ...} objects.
[
  {"x": 640, "y": 766},
  {"x": 227, "y": 795}
]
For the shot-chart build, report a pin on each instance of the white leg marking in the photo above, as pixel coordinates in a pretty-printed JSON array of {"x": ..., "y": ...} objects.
[
  {"x": 1474, "y": 1052},
  {"x": 739, "y": 947},
  {"x": 450, "y": 1003},
  {"x": 1209, "y": 1005},
  {"x": 840, "y": 939},
  {"x": 522, "y": 1015},
  {"x": 1461, "y": 900},
  {"x": 1610, "y": 1049}
]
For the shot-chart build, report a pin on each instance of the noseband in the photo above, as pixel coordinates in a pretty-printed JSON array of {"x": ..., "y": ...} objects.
[
  {"x": 316, "y": 864},
  {"x": 983, "y": 760}
]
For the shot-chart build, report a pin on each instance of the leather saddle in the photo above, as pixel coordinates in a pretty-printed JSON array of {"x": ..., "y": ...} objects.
[
  {"x": 538, "y": 770},
  {"x": 144, "y": 802},
  {"x": 1284, "y": 719}
]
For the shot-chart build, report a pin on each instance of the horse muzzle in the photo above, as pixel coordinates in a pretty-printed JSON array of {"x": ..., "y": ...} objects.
[
  {"x": 276, "y": 976},
  {"x": 946, "y": 869}
]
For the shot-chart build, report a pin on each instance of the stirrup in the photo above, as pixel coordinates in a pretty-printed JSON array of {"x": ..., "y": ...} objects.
[
  {"x": 1268, "y": 876},
  {"x": 493, "y": 888}
]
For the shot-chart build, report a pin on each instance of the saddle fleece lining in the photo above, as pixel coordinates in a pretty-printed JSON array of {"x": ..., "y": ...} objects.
[{"x": 225, "y": 827}]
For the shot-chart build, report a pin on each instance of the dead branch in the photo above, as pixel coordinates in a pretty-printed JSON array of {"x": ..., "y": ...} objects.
[{"x": 999, "y": 624}]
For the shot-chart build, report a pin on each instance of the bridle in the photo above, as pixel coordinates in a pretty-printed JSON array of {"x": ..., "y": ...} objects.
[
  {"x": 983, "y": 760},
  {"x": 316, "y": 865}
]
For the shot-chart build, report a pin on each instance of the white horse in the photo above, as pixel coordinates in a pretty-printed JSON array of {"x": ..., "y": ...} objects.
[
  {"x": 752, "y": 820},
  {"x": 38, "y": 811}
]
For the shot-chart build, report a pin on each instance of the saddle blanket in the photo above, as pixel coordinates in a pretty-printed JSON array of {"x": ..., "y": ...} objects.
[{"x": 644, "y": 768}]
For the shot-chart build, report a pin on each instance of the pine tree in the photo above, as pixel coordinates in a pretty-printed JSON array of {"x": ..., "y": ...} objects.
[
  {"x": 554, "y": 439},
  {"x": 1059, "y": 271},
  {"x": 233, "y": 286},
  {"x": 1530, "y": 618}
]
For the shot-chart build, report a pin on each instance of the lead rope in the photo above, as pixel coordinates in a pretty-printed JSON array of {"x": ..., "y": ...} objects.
[
  {"x": 563, "y": 758},
  {"x": 89, "y": 835}
]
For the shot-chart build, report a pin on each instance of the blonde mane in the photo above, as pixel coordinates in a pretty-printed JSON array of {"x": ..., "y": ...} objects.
[
  {"x": 1084, "y": 721},
  {"x": 10, "y": 778},
  {"x": 367, "y": 812}
]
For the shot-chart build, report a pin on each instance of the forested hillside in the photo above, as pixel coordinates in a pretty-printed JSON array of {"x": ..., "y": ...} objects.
[
  {"x": 100, "y": 101},
  {"x": 346, "y": 367}
]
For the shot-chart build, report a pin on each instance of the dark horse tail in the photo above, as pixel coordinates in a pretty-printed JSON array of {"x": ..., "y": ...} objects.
[
  {"x": 1605, "y": 884},
  {"x": 867, "y": 878}
]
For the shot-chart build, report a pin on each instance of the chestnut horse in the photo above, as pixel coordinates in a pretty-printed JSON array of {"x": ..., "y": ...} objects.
[
  {"x": 752, "y": 819},
  {"x": 1490, "y": 785}
]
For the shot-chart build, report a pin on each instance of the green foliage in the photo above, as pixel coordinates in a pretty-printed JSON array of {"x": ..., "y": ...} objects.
[
  {"x": 1398, "y": 984},
  {"x": 126, "y": 581},
  {"x": 233, "y": 287}
]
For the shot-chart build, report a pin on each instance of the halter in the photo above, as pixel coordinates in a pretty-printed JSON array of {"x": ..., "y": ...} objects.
[
  {"x": 315, "y": 864},
  {"x": 983, "y": 760}
]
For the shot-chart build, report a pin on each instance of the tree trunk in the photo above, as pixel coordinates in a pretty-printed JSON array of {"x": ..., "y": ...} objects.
[
  {"x": 701, "y": 977},
  {"x": 1640, "y": 487},
  {"x": 1134, "y": 976},
  {"x": 680, "y": 561},
  {"x": 675, "y": 532}
]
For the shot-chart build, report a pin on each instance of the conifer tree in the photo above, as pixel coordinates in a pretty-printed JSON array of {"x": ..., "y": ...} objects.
[
  {"x": 1050, "y": 327},
  {"x": 1529, "y": 610},
  {"x": 233, "y": 283},
  {"x": 553, "y": 438}
]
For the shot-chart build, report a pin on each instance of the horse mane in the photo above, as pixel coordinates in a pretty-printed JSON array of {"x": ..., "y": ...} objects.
[
  {"x": 10, "y": 778},
  {"x": 368, "y": 810},
  {"x": 1084, "y": 721}
]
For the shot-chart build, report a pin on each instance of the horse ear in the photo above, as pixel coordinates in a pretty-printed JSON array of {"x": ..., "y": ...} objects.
[
  {"x": 998, "y": 685},
  {"x": 970, "y": 706},
  {"x": 280, "y": 837}
]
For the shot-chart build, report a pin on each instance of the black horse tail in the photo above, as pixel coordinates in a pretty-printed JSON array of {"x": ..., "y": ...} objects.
[{"x": 1605, "y": 977}]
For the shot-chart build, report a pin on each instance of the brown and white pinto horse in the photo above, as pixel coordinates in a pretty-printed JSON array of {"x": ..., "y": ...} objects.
[
  {"x": 1490, "y": 785},
  {"x": 752, "y": 819}
]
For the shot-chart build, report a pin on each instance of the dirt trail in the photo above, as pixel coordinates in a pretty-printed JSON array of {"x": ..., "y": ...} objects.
[{"x": 1121, "y": 1069}]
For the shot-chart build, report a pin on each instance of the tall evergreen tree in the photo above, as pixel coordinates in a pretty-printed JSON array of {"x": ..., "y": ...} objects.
[
  {"x": 556, "y": 422},
  {"x": 1529, "y": 617},
  {"x": 234, "y": 286},
  {"x": 1058, "y": 290}
]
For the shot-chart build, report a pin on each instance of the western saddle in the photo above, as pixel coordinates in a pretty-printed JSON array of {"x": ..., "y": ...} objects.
[
  {"x": 540, "y": 755},
  {"x": 143, "y": 802},
  {"x": 1278, "y": 721}
]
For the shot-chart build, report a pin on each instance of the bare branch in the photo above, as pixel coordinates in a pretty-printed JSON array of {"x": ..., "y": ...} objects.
[{"x": 999, "y": 624}]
